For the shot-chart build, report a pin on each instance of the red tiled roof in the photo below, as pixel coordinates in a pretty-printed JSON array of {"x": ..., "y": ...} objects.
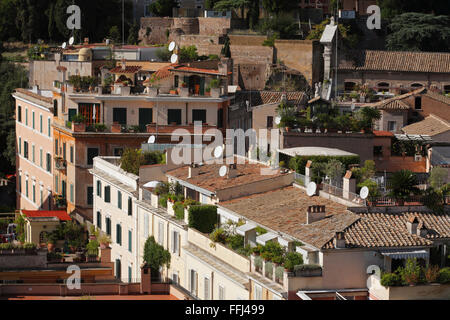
[
  {"x": 382, "y": 133},
  {"x": 196, "y": 70},
  {"x": 128, "y": 69},
  {"x": 61, "y": 215},
  {"x": 34, "y": 95},
  {"x": 395, "y": 103},
  {"x": 402, "y": 61}
]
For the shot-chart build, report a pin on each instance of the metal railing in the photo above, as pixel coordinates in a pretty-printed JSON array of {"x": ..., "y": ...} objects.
[
  {"x": 339, "y": 192},
  {"x": 300, "y": 178}
]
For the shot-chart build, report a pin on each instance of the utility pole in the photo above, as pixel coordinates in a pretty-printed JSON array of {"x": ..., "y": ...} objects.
[{"x": 123, "y": 22}]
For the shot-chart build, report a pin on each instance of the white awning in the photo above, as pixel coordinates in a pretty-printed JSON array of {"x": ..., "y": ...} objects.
[
  {"x": 424, "y": 254},
  {"x": 245, "y": 228},
  {"x": 262, "y": 239},
  {"x": 152, "y": 184}
]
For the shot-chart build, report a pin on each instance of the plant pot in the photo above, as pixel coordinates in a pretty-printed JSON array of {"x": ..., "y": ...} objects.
[
  {"x": 50, "y": 247},
  {"x": 104, "y": 245},
  {"x": 116, "y": 128},
  {"x": 73, "y": 249},
  {"x": 78, "y": 127}
]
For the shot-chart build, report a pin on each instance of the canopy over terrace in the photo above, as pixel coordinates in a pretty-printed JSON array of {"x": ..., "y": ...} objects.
[{"x": 315, "y": 151}]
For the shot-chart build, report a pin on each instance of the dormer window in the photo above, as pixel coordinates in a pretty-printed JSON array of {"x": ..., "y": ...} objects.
[{"x": 418, "y": 103}]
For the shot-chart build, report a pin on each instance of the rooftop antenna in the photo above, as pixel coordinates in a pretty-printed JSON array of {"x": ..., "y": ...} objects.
[{"x": 123, "y": 22}]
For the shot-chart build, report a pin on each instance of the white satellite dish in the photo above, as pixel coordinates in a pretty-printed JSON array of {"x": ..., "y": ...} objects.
[
  {"x": 223, "y": 171},
  {"x": 174, "y": 58},
  {"x": 311, "y": 189},
  {"x": 108, "y": 42},
  {"x": 364, "y": 193},
  {"x": 151, "y": 139},
  {"x": 218, "y": 152},
  {"x": 277, "y": 120},
  {"x": 71, "y": 40},
  {"x": 152, "y": 184},
  {"x": 172, "y": 46},
  {"x": 64, "y": 45}
]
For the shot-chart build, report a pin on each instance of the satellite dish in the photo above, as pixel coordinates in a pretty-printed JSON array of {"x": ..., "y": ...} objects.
[
  {"x": 108, "y": 42},
  {"x": 152, "y": 184},
  {"x": 64, "y": 45},
  {"x": 277, "y": 120},
  {"x": 151, "y": 139},
  {"x": 71, "y": 40},
  {"x": 174, "y": 58},
  {"x": 172, "y": 46},
  {"x": 311, "y": 189},
  {"x": 223, "y": 171},
  {"x": 218, "y": 152},
  {"x": 364, "y": 193}
]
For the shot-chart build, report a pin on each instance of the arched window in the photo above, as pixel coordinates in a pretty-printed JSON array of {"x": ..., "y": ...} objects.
[
  {"x": 416, "y": 85},
  {"x": 349, "y": 86},
  {"x": 383, "y": 86}
]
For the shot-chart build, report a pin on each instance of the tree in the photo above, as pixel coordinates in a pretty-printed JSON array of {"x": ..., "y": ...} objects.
[
  {"x": 114, "y": 34},
  {"x": 393, "y": 8},
  {"x": 226, "y": 52},
  {"x": 334, "y": 169},
  {"x": 155, "y": 256},
  {"x": 8, "y": 14},
  {"x": 282, "y": 26},
  {"x": 209, "y": 4},
  {"x": 367, "y": 116},
  {"x": 419, "y": 32},
  {"x": 366, "y": 172},
  {"x": 163, "y": 8},
  {"x": 438, "y": 177},
  {"x": 280, "y": 6},
  {"x": 133, "y": 37},
  {"x": 403, "y": 185},
  {"x": 163, "y": 53},
  {"x": 232, "y": 4},
  {"x": 188, "y": 54}
]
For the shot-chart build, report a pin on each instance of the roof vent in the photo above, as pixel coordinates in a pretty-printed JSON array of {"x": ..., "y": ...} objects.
[
  {"x": 194, "y": 170},
  {"x": 339, "y": 240},
  {"x": 315, "y": 213},
  {"x": 412, "y": 224}
]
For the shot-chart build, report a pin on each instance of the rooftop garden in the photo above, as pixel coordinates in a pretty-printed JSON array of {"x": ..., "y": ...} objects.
[
  {"x": 83, "y": 83},
  {"x": 132, "y": 159},
  {"x": 413, "y": 274},
  {"x": 11, "y": 248},
  {"x": 326, "y": 117}
]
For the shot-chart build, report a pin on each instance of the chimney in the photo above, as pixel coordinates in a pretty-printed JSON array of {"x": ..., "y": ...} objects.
[
  {"x": 412, "y": 224},
  {"x": 422, "y": 231},
  {"x": 86, "y": 40},
  {"x": 193, "y": 170},
  {"x": 124, "y": 64},
  {"x": 339, "y": 240},
  {"x": 315, "y": 213},
  {"x": 36, "y": 89},
  {"x": 232, "y": 172}
]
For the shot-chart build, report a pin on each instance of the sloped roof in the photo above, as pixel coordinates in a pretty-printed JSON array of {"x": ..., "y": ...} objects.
[
  {"x": 128, "y": 69},
  {"x": 260, "y": 98},
  {"x": 401, "y": 61},
  {"x": 34, "y": 95},
  {"x": 431, "y": 126},
  {"x": 61, "y": 215},
  {"x": 395, "y": 103},
  {"x": 439, "y": 97}
]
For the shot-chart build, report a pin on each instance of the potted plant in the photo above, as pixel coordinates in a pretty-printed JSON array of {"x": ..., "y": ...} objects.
[
  {"x": 116, "y": 127},
  {"x": 214, "y": 86},
  {"x": 104, "y": 241},
  {"x": 51, "y": 240},
  {"x": 100, "y": 127},
  {"x": 78, "y": 123}
]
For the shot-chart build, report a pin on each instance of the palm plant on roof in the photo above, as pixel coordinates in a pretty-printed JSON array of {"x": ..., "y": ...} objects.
[
  {"x": 403, "y": 185},
  {"x": 367, "y": 116}
]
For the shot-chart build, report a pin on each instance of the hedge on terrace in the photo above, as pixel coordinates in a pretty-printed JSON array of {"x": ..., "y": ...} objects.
[
  {"x": 203, "y": 218},
  {"x": 298, "y": 163}
]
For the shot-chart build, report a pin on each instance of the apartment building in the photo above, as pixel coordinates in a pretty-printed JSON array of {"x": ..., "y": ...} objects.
[{"x": 34, "y": 145}]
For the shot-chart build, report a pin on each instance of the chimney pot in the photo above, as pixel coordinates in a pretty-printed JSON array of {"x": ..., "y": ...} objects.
[
  {"x": 339, "y": 240},
  {"x": 315, "y": 213}
]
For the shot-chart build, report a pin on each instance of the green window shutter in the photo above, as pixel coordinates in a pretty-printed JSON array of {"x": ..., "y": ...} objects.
[
  {"x": 202, "y": 86},
  {"x": 108, "y": 194},
  {"x": 130, "y": 206},
  {"x": 129, "y": 275},
  {"x": 40, "y": 124},
  {"x": 108, "y": 226},
  {"x": 99, "y": 188},
  {"x": 99, "y": 220},
  {"x": 130, "y": 241},
  {"x": 71, "y": 192},
  {"x": 90, "y": 196},
  {"x": 119, "y": 199},
  {"x": 118, "y": 234}
]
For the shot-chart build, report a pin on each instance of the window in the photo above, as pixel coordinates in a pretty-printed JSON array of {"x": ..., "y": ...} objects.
[
  {"x": 221, "y": 293},
  {"x": 175, "y": 278},
  {"x": 119, "y": 234},
  {"x": 161, "y": 233},
  {"x": 26, "y": 116},
  {"x": 120, "y": 115},
  {"x": 130, "y": 273},
  {"x": 416, "y": 85},
  {"x": 130, "y": 241},
  {"x": 99, "y": 220},
  {"x": 72, "y": 113},
  {"x": 119, "y": 199},
  {"x": 56, "y": 147},
  {"x": 26, "y": 188},
  {"x": 378, "y": 150},
  {"x": 71, "y": 192},
  {"x": 418, "y": 103},
  {"x": 145, "y": 117},
  {"x": 220, "y": 118},
  {"x": 19, "y": 113},
  {"x": 42, "y": 198},
  {"x": 25, "y": 149},
  {"x": 130, "y": 206},
  {"x": 258, "y": 292},
  {"x": 349, "y": 86},
  {"x": 32, "y": 153},
  {"x": 32, "y": 120},
  {"x": 269, "y": 122},
  {"x": 34, "y": 193},
  {"x": 99, "y": 188},
  {"x": 49, "y": 162},
  {"x": 392, "y": 126},
  {"x": 41, "y": 158},
  {"x": 20, "y": 145},
  {"x": 383, "y": 87},
  {"x": 118, "y": 152},
  {"x": 118, "y": 269},
  {"x": 63, "y": 188},
  {"x": 107, "y": 194},
  {"x": 146, "y": 220},
  {"x": 193, "y": 282},
  {"x": 176, "y": 80},
  {"x": 174, "y": 116},
  {"x": 64, "y": 151},
  {"x": 48, "y": 127},
  {"x": 41, "y": 129},
  {"x": 20, "y": 184},
  {"x": 446, "y": 89},
  {"x": 56, "y": 184},
  {"x": 175, "y": 239},
  {"x": 55, "y": 108},
  {"x": 71, "y": 154},
  {"x": 91, "y": 154},
  {"x": 108, "y": 226},
  {"x": 207, "y": 289},
  {"x": 199, "y": 115},
  {"x": 90, "y": 196}
]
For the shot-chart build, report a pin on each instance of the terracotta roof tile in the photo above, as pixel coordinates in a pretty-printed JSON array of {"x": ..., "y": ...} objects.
[
  {"x": 259, "y": 98},
  {"x": 61, "y": 215},
  {"x": 128, "y": 69},
  {"x": 395, "y": 103},
  {"x": 34, "y": 95},
  {"x": 430, "y": 126},
  {"x": 402, "y": 61}
]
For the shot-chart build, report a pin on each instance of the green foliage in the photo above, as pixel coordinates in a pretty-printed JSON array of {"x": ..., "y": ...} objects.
[
  {"x": 92, "y": 248},
  {"x": 133, "y": 37},
  {"x": 258, "y": 262},
  {"x": 374, "y": 191},
  {"x": 163, "y": 200},
  {"x": 132, "y": 159},
  {"x": 393, "y": 8},
  {"x": 162, "y": 188},
  {"x": 335, "y": 170},
  {"x": 349, "y": 33},
  {"x": 115, "y": 35},
  {"x": 435, "y": 198},
  {"x": 364, "y": 173},
  {"x": 203, "y": 218},
  {"x": 367, "y": 116},
  {"x": 188, "y": 54},
  {"x": 162, "y": 8},
  {"x": 178, "y": 208},
  {"x": 419, "y": 32},
  {"x": 403, "y": 184},
  {"x": 282, "y": 26},
  {"x": 20, "y": 229},
  {"x": 218, "y": 235},
  {"x": 292, "y": 259},
  {"x": 444, "y": 275},
  {"x": 74, "y": 234},
  {"x": 272, "y": 251},
  {"x": 155, "y": 256},
  {"x": 279, "y": 273},
  {"x": 270, "y": 41},
  {"x": 260, "y": 230},
  {"x": 438, "y": 176},
  {"x": 214, "y": 83},
  {"x": 78, "y": 118},
  {"x": 279, "y": 6},
  {"x": 163, "y": 53},
  {"x": 390, "y": 280},
  {"x": 306, "y": 267},
  {"x": 104, "y": 239},
  {"x": 298, "y": 163},
  {"x": 226, "y": 52}
]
